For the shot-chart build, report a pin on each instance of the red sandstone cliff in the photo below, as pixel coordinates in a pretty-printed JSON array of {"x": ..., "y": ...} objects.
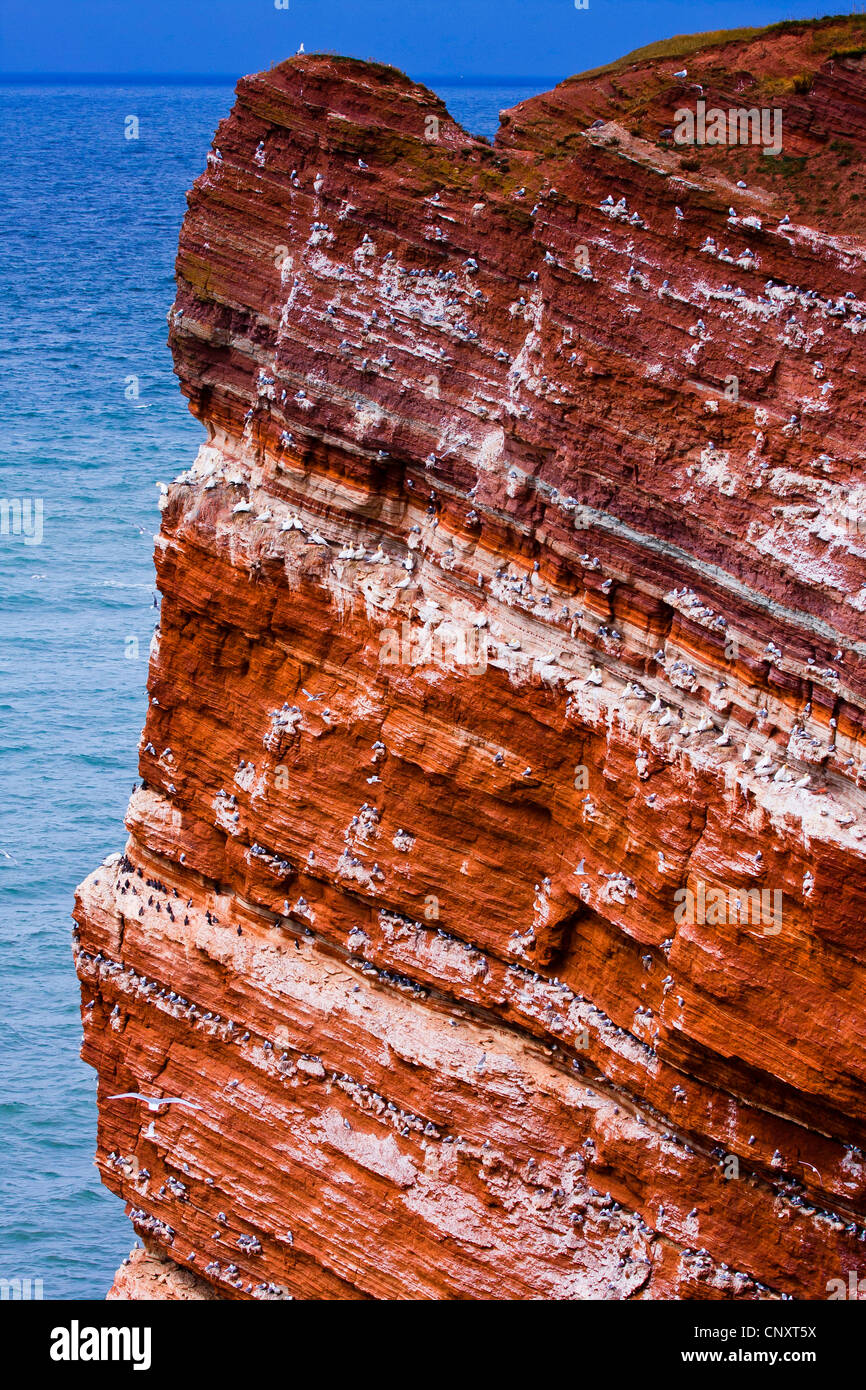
[{"x": 398, "y": 920}]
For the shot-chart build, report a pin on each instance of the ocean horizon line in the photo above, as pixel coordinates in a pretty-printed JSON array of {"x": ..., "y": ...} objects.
[{"x": 187, "y": 79}]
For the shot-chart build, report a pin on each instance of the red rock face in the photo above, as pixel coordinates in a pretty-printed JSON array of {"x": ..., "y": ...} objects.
[{"x": 494, "y": 897}]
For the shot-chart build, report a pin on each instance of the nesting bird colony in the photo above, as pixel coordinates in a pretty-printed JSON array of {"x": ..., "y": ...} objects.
[{"x": 491, "y": 922}]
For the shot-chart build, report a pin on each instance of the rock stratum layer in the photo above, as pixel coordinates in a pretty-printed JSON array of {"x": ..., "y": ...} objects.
[{"x": 495, "y": 614}]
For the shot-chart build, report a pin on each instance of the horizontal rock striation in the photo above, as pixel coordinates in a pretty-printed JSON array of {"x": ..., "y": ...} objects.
[{"x": 493, "y": 903}]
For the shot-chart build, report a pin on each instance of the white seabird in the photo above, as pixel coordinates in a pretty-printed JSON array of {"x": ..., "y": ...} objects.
[{"x": 154, "y": 1102}]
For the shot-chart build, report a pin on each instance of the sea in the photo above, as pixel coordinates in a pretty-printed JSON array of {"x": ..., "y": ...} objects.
[{"x": 91, "y": 419}]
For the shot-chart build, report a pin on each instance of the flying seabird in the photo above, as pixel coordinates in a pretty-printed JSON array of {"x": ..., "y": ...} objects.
[{"x": 154, "y": 1102}]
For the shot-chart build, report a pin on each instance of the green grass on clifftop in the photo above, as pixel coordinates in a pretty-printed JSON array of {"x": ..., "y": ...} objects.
[{"x": 827, "y": 33}]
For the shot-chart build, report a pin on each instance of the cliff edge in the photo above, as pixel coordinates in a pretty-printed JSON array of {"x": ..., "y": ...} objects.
[{"x": 492, "y": 915}]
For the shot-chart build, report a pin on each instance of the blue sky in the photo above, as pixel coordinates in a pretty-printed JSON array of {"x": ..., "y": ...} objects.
[{"x": 458, "y": 38}]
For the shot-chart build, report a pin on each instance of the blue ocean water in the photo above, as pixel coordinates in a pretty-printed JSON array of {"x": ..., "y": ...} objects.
[{"x": 91, "y": 418}]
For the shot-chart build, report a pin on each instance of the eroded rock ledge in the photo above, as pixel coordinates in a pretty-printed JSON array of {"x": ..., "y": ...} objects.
[{"x": 490, "y": 623}]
